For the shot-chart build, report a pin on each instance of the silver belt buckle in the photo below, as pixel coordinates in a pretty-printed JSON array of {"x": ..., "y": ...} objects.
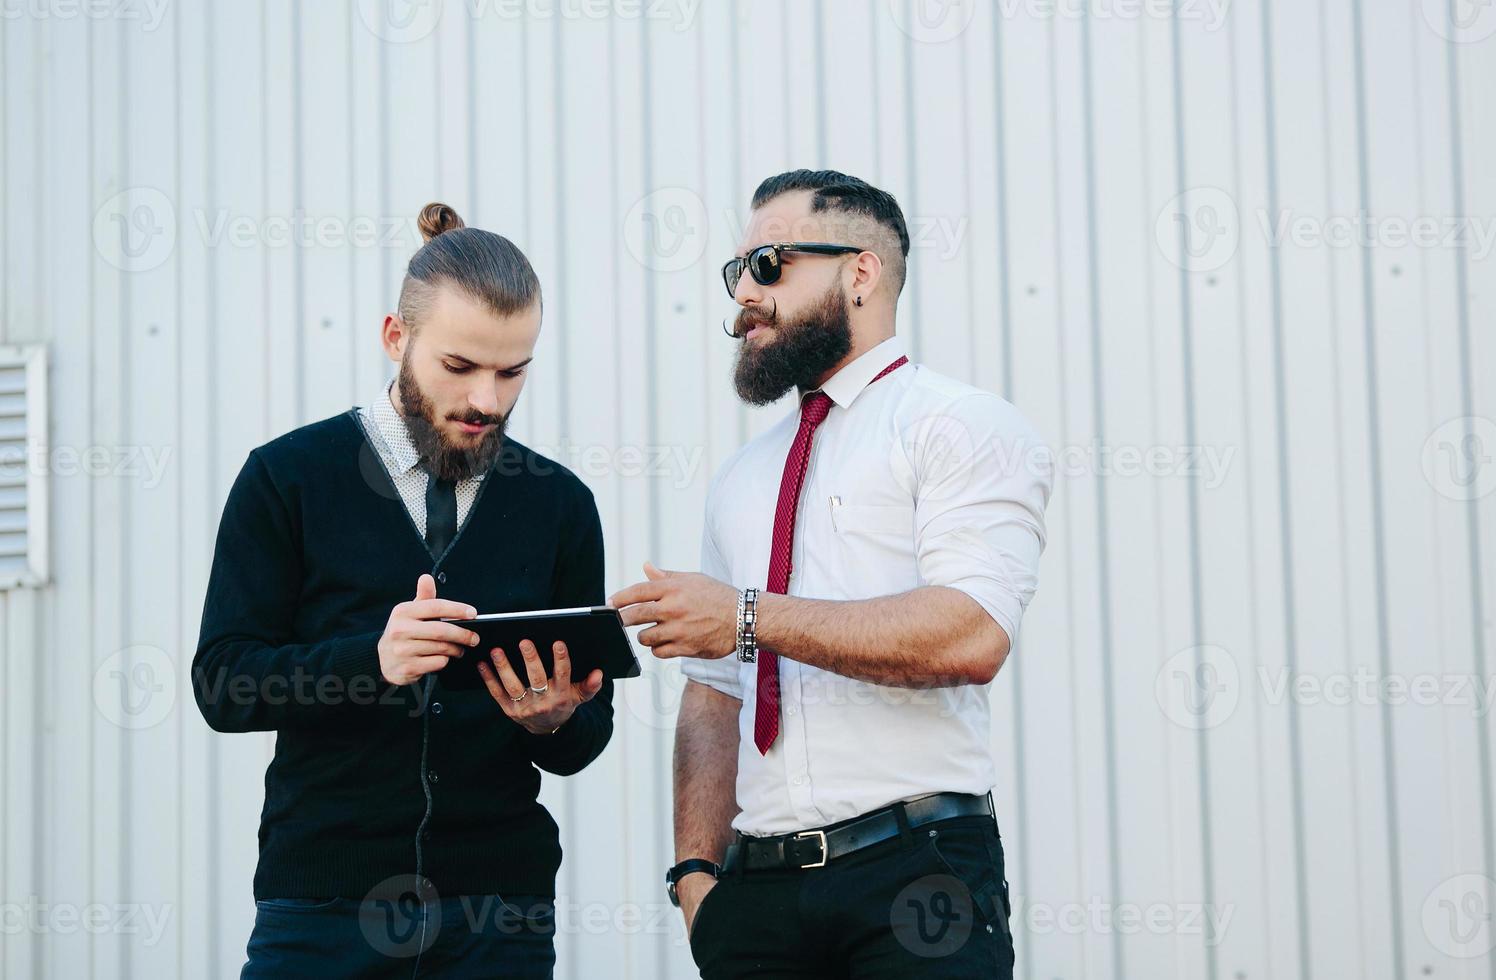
[{"x": 825, "y": 851}]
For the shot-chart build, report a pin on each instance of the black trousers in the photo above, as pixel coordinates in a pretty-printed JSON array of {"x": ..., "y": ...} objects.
[{"x": 930, "y": 903}]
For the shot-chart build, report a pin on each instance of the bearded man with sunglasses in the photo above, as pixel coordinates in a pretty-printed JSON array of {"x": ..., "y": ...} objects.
[{"x": 865, "y": 565}]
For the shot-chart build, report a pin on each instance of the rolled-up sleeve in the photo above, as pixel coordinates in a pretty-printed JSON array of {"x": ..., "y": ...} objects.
[
  {"x": 720, "y": 674},
  {"x": 982, "y": 480}
]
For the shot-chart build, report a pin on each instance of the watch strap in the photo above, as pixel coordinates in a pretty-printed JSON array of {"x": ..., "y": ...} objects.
[{"x": 691, "y": 866}]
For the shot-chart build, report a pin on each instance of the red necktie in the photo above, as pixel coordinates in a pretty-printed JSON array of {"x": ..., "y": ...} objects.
[{"x": 812, "y": 413}]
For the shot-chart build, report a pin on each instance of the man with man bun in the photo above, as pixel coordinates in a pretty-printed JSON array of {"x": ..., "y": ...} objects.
[{"x": 401, "y": 834}]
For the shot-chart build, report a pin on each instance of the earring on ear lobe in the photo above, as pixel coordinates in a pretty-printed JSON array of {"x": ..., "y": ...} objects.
[{"x": 858, "y": 301}]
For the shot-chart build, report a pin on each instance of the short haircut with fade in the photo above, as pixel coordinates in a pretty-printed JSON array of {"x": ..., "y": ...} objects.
[{"x": 833, "y": 191}]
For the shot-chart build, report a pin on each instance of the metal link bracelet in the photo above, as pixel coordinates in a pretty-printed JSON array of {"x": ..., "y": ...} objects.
[{"x": 747, "y": 620}]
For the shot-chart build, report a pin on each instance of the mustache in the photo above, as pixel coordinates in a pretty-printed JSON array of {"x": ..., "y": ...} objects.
[
  {"x": 478, "y": 418},
  {"x": 747, "y": 319}
]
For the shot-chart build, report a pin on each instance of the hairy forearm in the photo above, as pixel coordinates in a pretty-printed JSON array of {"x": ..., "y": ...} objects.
[
  {"x": 928, "y": 637},
  {"x": 706, "y": 772}
]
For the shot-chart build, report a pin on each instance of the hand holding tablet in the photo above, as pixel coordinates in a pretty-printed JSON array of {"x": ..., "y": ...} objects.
[
  {"x": 593, "y": 637},
  {"x": 525, "y": 660},
  {"x": 539, "y": 702}
]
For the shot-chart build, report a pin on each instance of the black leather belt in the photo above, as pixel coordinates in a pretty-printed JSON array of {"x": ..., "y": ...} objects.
[{"x": 813, "y": 848}]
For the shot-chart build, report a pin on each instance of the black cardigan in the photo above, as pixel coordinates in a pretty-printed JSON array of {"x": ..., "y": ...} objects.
[{"x": 372, "y": 782}]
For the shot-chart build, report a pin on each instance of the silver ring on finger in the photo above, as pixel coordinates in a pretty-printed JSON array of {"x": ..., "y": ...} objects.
[
  {"x": 541, "y": 689},
  {"x": 520, "y": 698}
]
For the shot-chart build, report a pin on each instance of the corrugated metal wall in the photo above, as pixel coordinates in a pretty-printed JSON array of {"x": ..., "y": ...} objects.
[{"x": 1275, "y": 410}]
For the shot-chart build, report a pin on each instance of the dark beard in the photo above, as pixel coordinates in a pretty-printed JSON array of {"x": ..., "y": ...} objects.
[
  {"x": 442, "y": 458},
  {"x": 802, "y": 350}
]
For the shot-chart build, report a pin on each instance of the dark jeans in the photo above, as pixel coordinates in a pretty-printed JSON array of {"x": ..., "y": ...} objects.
[
  {"x": 932, "y": 903},
  {"x": 470, "y": 936}
]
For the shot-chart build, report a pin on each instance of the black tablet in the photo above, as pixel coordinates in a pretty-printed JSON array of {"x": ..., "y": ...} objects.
[{"x": 593, "y": 635}]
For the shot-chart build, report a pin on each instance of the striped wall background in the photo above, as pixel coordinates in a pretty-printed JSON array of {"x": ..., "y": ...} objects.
[{"x": 1234, "y": 260}]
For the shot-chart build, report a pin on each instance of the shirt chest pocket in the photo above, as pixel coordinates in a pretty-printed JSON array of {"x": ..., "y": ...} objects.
[
  {"x": 874, "y": 553},
  {"x": 890, "y": 523}
]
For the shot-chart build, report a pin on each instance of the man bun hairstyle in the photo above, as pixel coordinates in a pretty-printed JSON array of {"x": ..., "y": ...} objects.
[
  {"x": 487, "y": 267},
  {"x": 834, "y": 191},
  {"x": 436, "y": 218}
]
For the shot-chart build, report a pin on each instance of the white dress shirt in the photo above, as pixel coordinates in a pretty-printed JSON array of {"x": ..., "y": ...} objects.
[
  {"x": 391, "y": 439},
  {"x": 917, "y": 480}
]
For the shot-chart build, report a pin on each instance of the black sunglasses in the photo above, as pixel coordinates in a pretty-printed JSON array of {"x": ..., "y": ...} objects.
[{"x": 763, "y": 262}]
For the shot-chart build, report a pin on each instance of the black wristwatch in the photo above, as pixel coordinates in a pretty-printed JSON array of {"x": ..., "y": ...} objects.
[{"x": 686, "y": 867}]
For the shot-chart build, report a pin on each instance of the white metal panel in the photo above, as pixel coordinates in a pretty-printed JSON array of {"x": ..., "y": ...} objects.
[
  {"x": 153, "y": 598},
  {"x": 1426, "y": 626},
  {"x": 21, "y": 309},
  {"x": 106, "y": 551},
  {"x": 1138, "y": 313},
  {"x": 556, "y": 129},
  {"x": 1472, "y": 71},
  {"x": 69, "y": 708},
  {"x": 1222, "y": 407},
  {"x": 197, "y": 504},
  {"x": 329, "y": 233},
  {"x": 1370, "y": 931},
  {"x": 932, "y": 124}
]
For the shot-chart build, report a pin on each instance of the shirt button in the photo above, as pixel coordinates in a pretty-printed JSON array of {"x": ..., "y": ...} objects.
[
  {"x": 789, "y": 710},
  {"x": 436, "y": 707},
  {"x": 799, "y": 780},
  {"x": 441, "y": 577},
  {"x": 433, "y": 777}
]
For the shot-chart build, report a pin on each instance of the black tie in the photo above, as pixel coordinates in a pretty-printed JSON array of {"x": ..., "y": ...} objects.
[{"x": 441, "y": 515}]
